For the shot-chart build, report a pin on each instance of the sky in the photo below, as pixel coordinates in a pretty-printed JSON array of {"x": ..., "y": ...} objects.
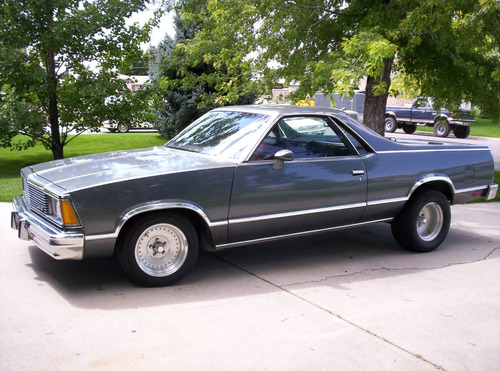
[{"x": 164, "y": 26}]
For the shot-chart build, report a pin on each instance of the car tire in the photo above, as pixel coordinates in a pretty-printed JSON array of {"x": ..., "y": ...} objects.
[
  {"x": 424, "y": 222},
  {"x": 461, "y": 131},
  {"x": 409, "y": 129},
  {"x": 158, "y": 250},
  {"x": 122, "y": 128},
  {"x": 390, "y": 124},
  {"x": 442, "y": 128}
]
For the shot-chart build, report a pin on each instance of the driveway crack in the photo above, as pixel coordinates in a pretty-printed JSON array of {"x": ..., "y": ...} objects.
[
  {"x": 389, "y": 270},
  {"x": 359, "y": 327}
]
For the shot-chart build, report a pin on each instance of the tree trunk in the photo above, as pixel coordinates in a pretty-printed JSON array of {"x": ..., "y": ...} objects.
[
  {"x": 374, "y": 112},
  {"x": 57, "y": 147},
  {"x": 51, "y": 80}
]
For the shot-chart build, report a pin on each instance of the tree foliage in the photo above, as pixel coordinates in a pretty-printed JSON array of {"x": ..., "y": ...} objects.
[
  {"x": 58, "y": 65},
  {"x": 188, "y": 80},
  {"x": 449, "y": 48}
]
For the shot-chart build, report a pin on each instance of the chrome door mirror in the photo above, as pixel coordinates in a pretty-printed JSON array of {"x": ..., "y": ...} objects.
[{"x": 282, "y": 156}]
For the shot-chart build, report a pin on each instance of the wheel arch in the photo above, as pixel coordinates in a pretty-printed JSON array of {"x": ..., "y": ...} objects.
[
  {"x": 441, "y": 117},
  {"x": 439, "y": 183},
  {"x": 192, "y": 213},
  {"x": 391, "y": 114}
]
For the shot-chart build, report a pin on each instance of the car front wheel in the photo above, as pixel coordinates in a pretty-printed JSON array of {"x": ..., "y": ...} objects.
[
  {"x": 159, "y": 250},
  {"x": 424, "y": 222}
]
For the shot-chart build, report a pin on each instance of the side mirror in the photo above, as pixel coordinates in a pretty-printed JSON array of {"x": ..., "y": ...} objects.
[{"x": 282, "y": 156}]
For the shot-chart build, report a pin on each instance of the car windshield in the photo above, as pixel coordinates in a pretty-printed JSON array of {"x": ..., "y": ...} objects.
[{"x": 221, "y": 133}]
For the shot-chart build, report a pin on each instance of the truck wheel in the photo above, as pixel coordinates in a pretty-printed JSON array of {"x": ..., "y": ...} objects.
[
  {"x": 461, "y": 131},
  {"x": 390, "y": 124},
  {"x": 409, "y": 129},
  {"x": 442, "y": 128},
  {"x": 158, "y": 250},
  {"x": 424, "y": 222}
]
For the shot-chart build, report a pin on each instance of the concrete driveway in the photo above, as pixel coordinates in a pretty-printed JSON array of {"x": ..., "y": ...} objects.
[{"x": 349, "y": 300}]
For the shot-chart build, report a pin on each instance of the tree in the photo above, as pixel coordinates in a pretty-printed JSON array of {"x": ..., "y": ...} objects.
[
  {"x": 58, "y": 66},
  {"x": 449, "y": 48},
  {"x": 190, "y": 84}
]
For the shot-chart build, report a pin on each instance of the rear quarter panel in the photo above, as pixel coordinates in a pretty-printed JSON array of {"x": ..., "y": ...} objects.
[{"x": 393, "y": 174}]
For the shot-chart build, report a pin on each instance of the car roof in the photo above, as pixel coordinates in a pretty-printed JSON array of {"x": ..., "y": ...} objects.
[{"x": 278, "y": 110}]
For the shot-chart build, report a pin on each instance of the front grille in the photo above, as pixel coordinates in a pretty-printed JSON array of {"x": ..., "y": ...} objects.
[{"x": 36, "y": 199}]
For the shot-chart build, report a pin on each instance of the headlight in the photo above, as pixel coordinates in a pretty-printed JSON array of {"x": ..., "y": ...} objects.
[{"x": 63, "y": 212}]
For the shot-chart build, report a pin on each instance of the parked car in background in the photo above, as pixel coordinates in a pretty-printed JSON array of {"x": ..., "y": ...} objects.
[
  {"x": 422, "y": 112},
  {"x": 125, "y": 128},
  {"x": 244, "y": 175}
]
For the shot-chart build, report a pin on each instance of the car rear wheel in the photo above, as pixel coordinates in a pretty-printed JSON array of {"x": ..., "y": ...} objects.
[
  {"x": 409, "y": 129},
  {"x": 390, "y": 125},
  {"x": 159, "y": 250},
  {"x": 122, "y": 128},
  {"x": 424, "y": 222},
  {"x": 461, "y": 131},
  {"x": 442, "y": 128}
]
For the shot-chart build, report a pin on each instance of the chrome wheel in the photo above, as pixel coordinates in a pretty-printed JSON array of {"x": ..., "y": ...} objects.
[
  {"x": 161, "y": 250},
  {"x": 442, "y": 128},
  {"x": 390, "y": 125},
  {"x": 122, "y": 128},
  {"x": 430, "y": 221},
  {"x": 424, "y": 222}
]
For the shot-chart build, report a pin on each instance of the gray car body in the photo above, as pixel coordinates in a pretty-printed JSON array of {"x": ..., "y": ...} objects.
[{"x": 234, "y": 202}]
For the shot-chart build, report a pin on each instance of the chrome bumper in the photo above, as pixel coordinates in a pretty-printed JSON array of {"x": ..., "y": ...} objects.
[
  {"x": 58, "y": 243},
  {"x": 492, "y": 191}
]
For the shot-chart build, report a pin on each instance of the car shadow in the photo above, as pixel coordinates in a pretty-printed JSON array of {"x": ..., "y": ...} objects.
[{"x": 332, "y": 259}]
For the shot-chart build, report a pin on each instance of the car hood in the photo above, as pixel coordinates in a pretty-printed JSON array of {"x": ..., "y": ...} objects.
[{"x": 76, "y": 173}]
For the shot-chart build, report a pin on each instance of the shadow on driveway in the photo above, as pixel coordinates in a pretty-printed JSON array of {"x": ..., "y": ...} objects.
[{"x": 332, "y": 260}]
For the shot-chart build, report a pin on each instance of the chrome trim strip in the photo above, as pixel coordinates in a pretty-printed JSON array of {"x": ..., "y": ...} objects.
[
  {"x": 297, "y": 234},
  {"x": 472, "y": 189},
  {"x": 387, "y": 201},
  {"x": 434, "y": 150},
  {"x": 97, "y": 237},
  {"x": 295, "y": 213}
]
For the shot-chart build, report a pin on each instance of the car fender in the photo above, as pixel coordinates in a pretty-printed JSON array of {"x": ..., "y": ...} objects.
[
  {"x": 440, "y": 182},
  {"x": 215, "y": 230}
]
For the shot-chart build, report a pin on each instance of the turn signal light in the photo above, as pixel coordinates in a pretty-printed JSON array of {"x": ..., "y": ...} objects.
[{"x": 68, "y": 214}]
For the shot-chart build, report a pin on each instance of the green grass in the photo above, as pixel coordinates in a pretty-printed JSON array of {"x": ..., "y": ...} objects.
[
  {"x": 11, "y": 162},
  {"x": 480, "y": 128}
]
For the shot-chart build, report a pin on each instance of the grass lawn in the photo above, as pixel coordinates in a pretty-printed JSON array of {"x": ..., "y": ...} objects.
[
  {"x": 12, "y": 161},
  {"x": 480, "y": 128}
]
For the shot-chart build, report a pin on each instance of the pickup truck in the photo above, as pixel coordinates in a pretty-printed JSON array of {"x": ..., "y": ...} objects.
[{"x": 422, "y": 113}]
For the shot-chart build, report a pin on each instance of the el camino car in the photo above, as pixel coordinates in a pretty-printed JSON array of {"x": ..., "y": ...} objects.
[{"x": 244, "y": 175}]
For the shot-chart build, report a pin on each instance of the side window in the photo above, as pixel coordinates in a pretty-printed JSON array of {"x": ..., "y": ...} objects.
[
  {"x": 421, "y": 103},
  {"x": 306, "y": 137}
]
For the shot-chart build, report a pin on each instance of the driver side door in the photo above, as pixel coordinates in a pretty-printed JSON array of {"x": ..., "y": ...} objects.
[{"x": 323, "y": 187}]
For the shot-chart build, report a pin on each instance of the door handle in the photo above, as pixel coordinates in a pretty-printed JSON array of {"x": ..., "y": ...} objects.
[{"x": 358, "y": 172}]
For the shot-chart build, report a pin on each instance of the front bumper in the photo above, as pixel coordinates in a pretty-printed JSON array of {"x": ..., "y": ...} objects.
[{"x": 58, "y": 243}]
